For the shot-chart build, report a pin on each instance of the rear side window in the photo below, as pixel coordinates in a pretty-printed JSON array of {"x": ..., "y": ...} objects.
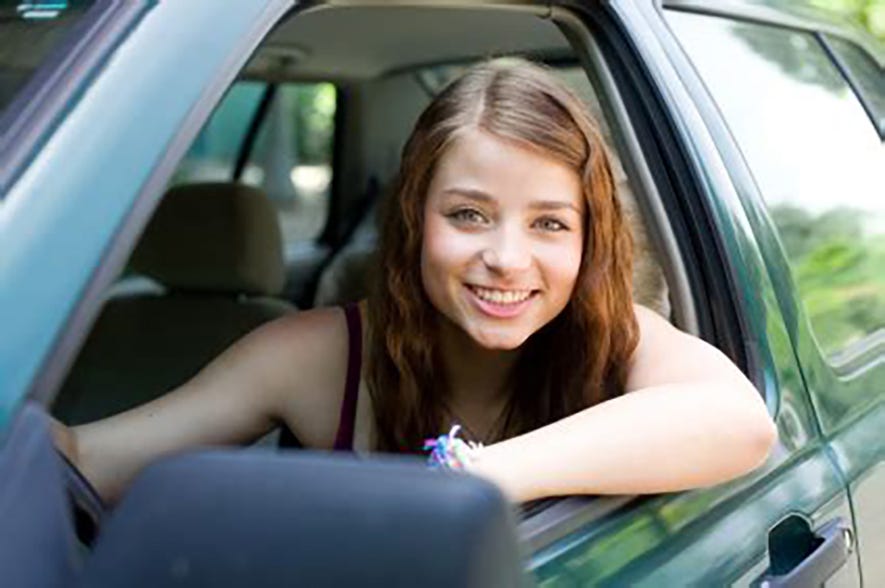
[
  {"x": 288, "y": 155},
  {"x": 31, "y": 35},
  {"x": 817, "y": 160}
]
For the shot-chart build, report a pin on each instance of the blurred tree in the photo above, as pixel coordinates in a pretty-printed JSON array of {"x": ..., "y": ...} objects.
[
  {"x": 868, "y": 13},
  {"x": 839, "y": 270},
  {"x": 315, "y": 117}
]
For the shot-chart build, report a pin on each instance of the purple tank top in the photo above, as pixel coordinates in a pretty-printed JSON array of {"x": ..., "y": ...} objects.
[{"x": 347, "y": 419}]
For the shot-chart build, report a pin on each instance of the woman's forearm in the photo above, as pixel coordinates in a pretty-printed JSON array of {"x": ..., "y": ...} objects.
[{"x": 658, "y": 439}]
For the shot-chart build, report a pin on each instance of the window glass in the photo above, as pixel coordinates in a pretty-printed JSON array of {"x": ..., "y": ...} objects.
[
  {"x": 866, "y": 75},
  {"x": 30, "y": 33},
  {"x": 816, "y": 158},
  {"x": 291, "y": 159},
  {"x": 213, "y": 154}
]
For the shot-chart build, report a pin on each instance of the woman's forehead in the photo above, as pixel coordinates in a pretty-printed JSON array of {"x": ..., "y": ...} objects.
[{"x": 481, "y": 165}]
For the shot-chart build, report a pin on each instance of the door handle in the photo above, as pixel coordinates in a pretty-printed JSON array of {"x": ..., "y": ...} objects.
[{"x": 825, "y": 551}]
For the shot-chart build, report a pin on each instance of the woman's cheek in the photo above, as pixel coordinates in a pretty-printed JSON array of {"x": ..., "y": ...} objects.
[
  {"x": 440, "y": 259},
  {"x": 447, "y": 248},
  {"x": 563, "y": 263}
]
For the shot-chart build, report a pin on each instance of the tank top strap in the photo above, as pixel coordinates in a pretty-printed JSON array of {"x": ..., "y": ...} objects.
[{"x": 347, "y": 418}]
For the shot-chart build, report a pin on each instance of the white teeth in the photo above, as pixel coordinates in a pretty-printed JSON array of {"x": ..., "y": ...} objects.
[{"x": 501, "y": 296}]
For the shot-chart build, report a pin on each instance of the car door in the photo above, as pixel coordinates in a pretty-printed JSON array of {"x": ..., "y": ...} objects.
[
  {"x": 777, "y": 522},
  {"x": 819, "y": 168}
]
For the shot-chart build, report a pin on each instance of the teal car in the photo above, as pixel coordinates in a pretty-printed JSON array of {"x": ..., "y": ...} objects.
[{"x": 175, "y": 173}]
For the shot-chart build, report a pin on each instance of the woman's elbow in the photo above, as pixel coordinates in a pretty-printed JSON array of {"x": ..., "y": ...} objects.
[
  {"x": 765, "y": 437},
  {"x": 746, "y": 434},
  {"x": 759, "y": 435}
]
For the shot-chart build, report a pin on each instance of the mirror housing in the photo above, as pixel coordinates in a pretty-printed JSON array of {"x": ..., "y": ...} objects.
[{"x": 257, "y": 518}]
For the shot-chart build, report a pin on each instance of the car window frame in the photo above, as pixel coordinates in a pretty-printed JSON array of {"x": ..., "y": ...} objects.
[{"x": 848, "y": 73}]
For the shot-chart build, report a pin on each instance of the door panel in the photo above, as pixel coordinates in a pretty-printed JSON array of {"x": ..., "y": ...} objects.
[
  {"x": 826, "y": 207},
  {"x": 838, "y": 298},
  {"x": 858, "y": 449},
  {"x": 713, "y": 536}
]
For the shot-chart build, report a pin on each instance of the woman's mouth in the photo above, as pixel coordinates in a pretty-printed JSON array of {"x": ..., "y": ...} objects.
[{"x": 500, "y": 303}]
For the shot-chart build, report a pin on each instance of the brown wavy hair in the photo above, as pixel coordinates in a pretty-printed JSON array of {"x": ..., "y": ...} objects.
[{"x": 578, "y": 359}]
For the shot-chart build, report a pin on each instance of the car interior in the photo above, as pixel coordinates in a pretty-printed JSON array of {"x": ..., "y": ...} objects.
[{"x": 246, "y": 232}]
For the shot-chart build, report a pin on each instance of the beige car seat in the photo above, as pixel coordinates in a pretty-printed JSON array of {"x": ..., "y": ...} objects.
[{"x": 214, "y": 252}]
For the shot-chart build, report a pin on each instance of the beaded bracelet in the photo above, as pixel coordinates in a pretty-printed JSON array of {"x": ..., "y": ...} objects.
[{"x": 450, "y": 452}]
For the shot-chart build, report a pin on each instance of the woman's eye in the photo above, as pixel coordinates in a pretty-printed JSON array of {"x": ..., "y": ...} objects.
[
  {"x": 467, "y": 216},
  {"x": 551, "y": 224}
]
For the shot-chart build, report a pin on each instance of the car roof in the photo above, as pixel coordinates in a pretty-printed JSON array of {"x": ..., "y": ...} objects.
[{"x": 351, "y": 41}]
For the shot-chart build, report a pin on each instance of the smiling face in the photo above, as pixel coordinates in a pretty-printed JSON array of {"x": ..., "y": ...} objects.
[{"x": 503, "y": 238}]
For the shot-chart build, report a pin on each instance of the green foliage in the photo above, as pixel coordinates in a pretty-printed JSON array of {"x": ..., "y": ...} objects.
[
  {"x": 869, "y": 13},
  {"x": 839, "y": 270},
  {"x": 314, "y": 117}
]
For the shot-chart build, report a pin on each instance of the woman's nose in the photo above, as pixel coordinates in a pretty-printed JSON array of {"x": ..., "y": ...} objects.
[{"x": 507, "y": 251}]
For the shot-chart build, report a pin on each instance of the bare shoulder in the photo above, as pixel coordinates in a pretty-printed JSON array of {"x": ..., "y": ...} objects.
[
  {"x": 298, "y": 363},
  {"x": 666, "y": 355},
  {"x": 310, "y": 357},
  {"x": 309, "y": 329},
  {"x": 652, "y": 323}
]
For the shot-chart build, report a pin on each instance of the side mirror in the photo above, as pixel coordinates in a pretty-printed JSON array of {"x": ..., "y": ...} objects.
[
  {"x": 37, "y": 542},
  {"x": 254, "y": 518}
]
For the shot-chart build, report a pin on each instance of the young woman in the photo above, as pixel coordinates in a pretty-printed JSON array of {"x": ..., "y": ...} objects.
[{"x": 503, "y": 304}]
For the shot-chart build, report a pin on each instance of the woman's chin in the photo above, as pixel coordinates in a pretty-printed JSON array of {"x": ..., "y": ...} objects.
[{"x": 499, "y": 341}]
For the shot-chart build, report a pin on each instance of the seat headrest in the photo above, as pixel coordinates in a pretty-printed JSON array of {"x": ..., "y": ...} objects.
[{"x": 218, "y": 237}]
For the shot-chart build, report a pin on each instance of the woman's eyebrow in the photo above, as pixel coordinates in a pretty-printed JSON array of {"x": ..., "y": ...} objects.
[
  {"x": 481, "y": 196},
  {"x": 553, "y": 205},
  {"x": 471, "y": 193}
]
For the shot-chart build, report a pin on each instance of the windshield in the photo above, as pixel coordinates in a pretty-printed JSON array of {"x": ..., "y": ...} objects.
[{"x": 31, "y": 35}]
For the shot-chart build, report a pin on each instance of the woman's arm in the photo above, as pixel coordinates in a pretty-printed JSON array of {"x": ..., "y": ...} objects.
[
  {"x": 285, "y": 371},
  {"x": 690, "y": 419}
]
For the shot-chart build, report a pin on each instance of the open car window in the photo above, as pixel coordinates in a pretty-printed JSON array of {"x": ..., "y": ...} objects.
[{"x": 287, "y": 139}]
